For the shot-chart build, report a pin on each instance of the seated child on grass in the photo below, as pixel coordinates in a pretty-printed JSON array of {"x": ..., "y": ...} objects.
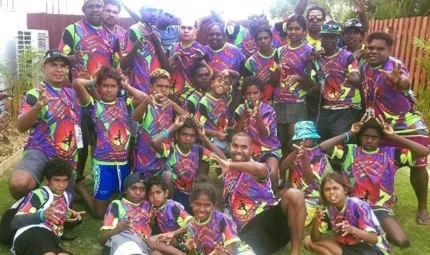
[
  {"x": 308, "y": 165},
  {"x": 211, "y": 232},
  {"x": 214, "y": 108},
  {"x": 185, "y": 159},
  {"x": 259, "y": 120},
  {"x": 355, "y": 228},
  {"x": 154, "y": 114},
  {"x": 41, "y": 217},
  {"x": 169, "y": 219},
  {"x": 371, "y": 168},
  {"x": 112, "y": 119},
  {"x": 126, "y": 227}
]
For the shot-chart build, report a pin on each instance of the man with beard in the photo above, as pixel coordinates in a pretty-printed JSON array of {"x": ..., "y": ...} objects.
[
  {"x": 111, "y": 12},
  {"x": 144, "y": 50},
  {"x": 264, "y": 222}
]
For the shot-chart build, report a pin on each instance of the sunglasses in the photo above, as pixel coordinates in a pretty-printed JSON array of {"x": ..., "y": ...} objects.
[
  {"x": 331, "y": 28},
  {"x": 350, "y": 23},
  {"x": 315, "y": 18}
]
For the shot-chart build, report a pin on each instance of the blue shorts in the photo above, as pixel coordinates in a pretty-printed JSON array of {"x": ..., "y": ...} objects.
[
  {"x": 108, "y": 179},
  {"x": 183, "y": 199}
]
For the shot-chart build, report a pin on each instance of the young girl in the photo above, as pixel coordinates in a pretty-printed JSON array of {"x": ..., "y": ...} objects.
[
  {"x": 214, "y": 108},
  {"x": 308, "y": 165},
  {"x": 154, "y": 114},
  {"x": 259, "y": 120},
  {"x": 355, "y": 228},
  {"x": 211, "y": 232},
  {"x": 371, "y": 168},
  {"x": 289, "y": 95}
]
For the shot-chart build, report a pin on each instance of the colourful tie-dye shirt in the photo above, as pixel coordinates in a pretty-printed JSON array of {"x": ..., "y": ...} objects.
[
  {"x": 396, "y": 106},
  {"x": 242, "y": 38},
  {"x": 118, "y": 34},
  {"x": 138, "y": 215},
  {"x": 184, "y": 167},
  {"x": 246, "y": 196},
  {"x": 372, "y": 173},
  {"x": 172, "y": 216},
  {"x": 228, "y": 57},
  {"x": 318, "y": 161},
  {"x": 260, "y": 144},
  {"x": 54, "y": 130},
  {"x": 146, "y": 59},
  {"x": 359, "y": 214},
  {"x": 181, "y": 75},
  {"x": 218, "y": 228},
  {"x": 95, "y": 42},
  {"x": 263, "y": 67},
  {"x": 153, "y": 122},
  {"x": 294, "y": 62},
  {"x": 331, "y": 75},
  {"x": 193, "y": 101},
  {"x": 279, "y": 32},
  {"x": 112, "y": 125},
  {"x": 316, "y": 43},
  {"x": 36, "y": 200},
  {"x": 214, "y": 112}
]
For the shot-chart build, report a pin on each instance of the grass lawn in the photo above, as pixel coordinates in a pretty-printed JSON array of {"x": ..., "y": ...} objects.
[{"x": 419, "y": 236}]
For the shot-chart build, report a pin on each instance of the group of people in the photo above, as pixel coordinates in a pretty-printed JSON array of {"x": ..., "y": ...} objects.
[{"x": 265, "y": 109}]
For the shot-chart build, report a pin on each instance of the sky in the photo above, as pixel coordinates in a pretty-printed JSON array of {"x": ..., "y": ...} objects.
[{"x": 230, "y": 9}]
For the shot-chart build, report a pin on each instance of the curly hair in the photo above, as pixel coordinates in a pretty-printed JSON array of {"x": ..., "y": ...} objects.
[
  {"x": 189, "y": 123},
  {"x": 158, "y": 74},
  {"x": 381, "y": 36},
  {"x": 108, "y": 72},
  {"x": 156, "y": 181},
  {"x": 57, "y": 167},
  {"x": 204, "y": 186},
  {"x": 316, "y": 8},
  {"x": 252, "y": 81}
]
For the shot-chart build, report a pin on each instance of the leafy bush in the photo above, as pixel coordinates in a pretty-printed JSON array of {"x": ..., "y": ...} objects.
[
  {"x": 22, "y": 76},
  {"x": 424, "y": 89}
]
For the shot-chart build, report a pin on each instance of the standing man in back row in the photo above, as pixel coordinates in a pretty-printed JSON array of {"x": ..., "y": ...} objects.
[{"x": 111, "y": 12}]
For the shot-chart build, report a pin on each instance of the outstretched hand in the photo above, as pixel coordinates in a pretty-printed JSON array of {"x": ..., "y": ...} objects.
[
  {"x": 357, "y": 126},
  {"x": 180, "y": 120},
  {"x": 395, "y": 75},
  {"x": 223, "y": 164},
  {"x": 386, "y": 128},
  {"x": 76, "y": 216}
]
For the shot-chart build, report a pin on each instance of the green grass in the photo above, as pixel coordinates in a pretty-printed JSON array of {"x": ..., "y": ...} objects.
[{"x": 405, "y": 210}]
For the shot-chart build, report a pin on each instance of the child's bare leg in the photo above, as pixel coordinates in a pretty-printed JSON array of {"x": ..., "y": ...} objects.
[
  {"x": 394, "y": 232},
  {"x": 325, "y": 246}
]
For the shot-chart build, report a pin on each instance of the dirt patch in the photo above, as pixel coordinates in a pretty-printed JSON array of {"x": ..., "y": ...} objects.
[{"x": 11, "y": 140}]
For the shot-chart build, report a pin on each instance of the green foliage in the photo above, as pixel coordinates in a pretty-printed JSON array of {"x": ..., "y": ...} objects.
[
  {"x": 20, "y": 77},
  {"x": 423, "y": 89}
]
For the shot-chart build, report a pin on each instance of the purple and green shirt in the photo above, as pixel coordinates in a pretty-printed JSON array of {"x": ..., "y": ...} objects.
[
  {"x": 228, "y": 57},
  {"x": 214, "y": 112},
  {"x": 172, "y": 216}
]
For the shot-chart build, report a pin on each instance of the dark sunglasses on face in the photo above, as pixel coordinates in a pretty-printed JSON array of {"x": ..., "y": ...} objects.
[{"x": 315, "y": 18}]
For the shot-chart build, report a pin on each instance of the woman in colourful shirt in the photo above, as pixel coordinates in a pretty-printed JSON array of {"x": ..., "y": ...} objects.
[
  {"x": 211, "y": 231},
  {"x": 259, "y": 120},
  {"x": 355, "y": 228},
  {"x": 182, "y": 57},
  {"x": 371, "y": 168}
]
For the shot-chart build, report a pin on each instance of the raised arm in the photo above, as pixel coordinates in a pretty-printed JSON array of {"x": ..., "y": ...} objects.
[
  {"x": 301, "y": 7},
  {"x": 158, "y": 139},
  {"x": 360, "y": 9},
  {"x": 133, "y": 15},
  {"x": 80, "y": 86},
  {"x": 141, "y": 109},
  {"x": 27, "y": 119},
  {"x": 256, "y": 169},
  {"x": 304, "y": 157}
]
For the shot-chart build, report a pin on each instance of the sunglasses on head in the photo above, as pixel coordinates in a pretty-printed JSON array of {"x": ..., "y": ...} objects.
[
  {"x": 315, "y": 18},
  {"x": 355, "y": 23},
  {"x": 331, "y": 28}
]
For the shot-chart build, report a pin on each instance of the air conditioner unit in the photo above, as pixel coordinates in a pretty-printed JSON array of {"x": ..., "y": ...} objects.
[{"x": 30, "y": 39}]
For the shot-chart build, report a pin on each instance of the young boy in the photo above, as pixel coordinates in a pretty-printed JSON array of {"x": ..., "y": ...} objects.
[
  {"x": 308, "y": 165},
  {"x": 170, "y": 218},
  {"x": 155, "y": 114},
  {"x": 41, "y": 217},
  {"x": 214, "y": 108},
  {"x": 371, "y": 168},
  {"x": 201, "y": 80},
  {"x": 126, "y": 226},
  {"x": 259, "y": 120},
  {"x": 185, "y": 159},
  {"x": 112, "y": 118}
]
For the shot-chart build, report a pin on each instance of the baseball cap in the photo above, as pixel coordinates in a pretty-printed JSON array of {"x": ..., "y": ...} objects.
[
  {"x": 305, "y": 130},
  {"x": 132, "y": 179},
  {"x": 353, "y": 23},
  {"x": 100, "y": 1},
  {"x": 331, "y": 27},
  {"x": 54, "y": 54}
]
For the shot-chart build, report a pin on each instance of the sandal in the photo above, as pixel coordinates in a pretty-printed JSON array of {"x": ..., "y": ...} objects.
[{"x": 424, "y": 222}]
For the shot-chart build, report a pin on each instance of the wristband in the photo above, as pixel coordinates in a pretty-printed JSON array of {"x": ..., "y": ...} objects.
[
  {"x": 346, "y": 137},
  {"x": 41, "y": 217},
  {"x": 92, "y": 85},
  {"x": 164, "y": 134}
]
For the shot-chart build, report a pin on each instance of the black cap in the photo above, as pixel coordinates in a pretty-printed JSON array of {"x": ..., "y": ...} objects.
[
  {"x": 353, "y": 23},
  {"x": 132, "y": 179},
  {"x": 54, "y": 54}
]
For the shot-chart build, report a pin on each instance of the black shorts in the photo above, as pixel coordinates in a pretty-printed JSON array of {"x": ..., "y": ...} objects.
[
  {"x": 88, "y": 129},
  {"x": 360, "y": 249},
  {"x": 38, "y": 241},
  {"x": 267, "y": 232},
  {"x": 382, "y": 213}
]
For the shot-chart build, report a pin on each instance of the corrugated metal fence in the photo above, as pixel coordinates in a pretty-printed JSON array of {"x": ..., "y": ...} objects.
[{"x": 403, "y": 29}]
